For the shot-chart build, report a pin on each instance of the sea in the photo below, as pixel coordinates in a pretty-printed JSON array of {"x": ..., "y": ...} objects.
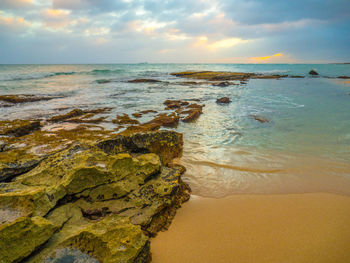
[{"x": 304, "y": 148}]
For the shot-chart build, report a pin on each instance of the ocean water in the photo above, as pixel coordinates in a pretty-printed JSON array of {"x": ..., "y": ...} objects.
[{"x": 305, "y": 147}]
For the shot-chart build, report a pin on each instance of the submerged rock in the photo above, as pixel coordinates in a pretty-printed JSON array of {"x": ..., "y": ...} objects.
[
  {"x": 71, "y": 114},
  {"x": 125, "y": 119},
  {"x": 18, "y": 128},
  {"x": 223, "y": 76},
  {"x": 22, "y": 98},
  {"x": 148, "y": 111},
  {"x": 84, "y": 116},
  {"x": 224, "y": 100},
  {"x": 224, "y": 84},
  {"x": 313, "y": 72},
  {"x": 144, "y": 81},
  {"x": 260, "y": 119},
  {"x": 137, "y": 115}
]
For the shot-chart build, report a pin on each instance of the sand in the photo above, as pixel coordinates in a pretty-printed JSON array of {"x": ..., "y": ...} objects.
[{"x": 258, "y": 228}]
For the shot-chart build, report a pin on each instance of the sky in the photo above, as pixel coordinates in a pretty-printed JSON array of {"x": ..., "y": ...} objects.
[{"x": 174, "y": 31}]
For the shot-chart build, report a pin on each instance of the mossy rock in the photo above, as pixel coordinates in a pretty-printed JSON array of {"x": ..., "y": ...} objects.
[
  {"x": 21, "y": 237},
  {"x": 72, "y": 172},
  {"x": 18, "y": 128},
  {"x": 113, "y": 239},
  {"x": 166, "y": 144}
]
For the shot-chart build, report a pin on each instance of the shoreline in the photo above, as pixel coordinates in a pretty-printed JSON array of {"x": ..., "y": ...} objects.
[{"x": 309, "y": 227}]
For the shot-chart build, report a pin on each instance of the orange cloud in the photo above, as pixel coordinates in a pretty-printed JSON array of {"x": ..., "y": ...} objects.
[
  {"x": 56, "y": 12},
  {"x": 13, "y": 23},
  {"x": 266, "y": 57}
]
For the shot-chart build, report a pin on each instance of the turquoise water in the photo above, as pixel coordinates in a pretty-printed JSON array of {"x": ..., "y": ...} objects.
[{"x": 310, "y": 117}]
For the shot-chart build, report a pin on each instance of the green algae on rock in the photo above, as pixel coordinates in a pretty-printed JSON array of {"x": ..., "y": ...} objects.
[
  {"x": 223, "y": 76},
  {"x": 103, "y": 201},
  {"x": 20, "y": 238},
  {"x": 22, "y": 98},
  {"x": 18, "y": 128}
]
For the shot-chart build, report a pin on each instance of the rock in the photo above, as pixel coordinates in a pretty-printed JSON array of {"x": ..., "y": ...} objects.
[
  {"x": 260, "y": 119},
  {"x": 296, "y": 77},
  {"x": 96, "y": 202},
  {"x": 142, "y": 128},
  {"x": 103, "y": 81},
  {"x": 193, "y": 112},
  {"x": 192, "y": 115},
  {"x": 113, "y": 239},
  {"x": 343, "y": 77},
  {"x": 223, "y": 76},
  {"x": 71, "y": 114},
  {"x": 313, "y": 72},
  {"x": 2, "y": 146},
  {"x": 166, "y": 144},
  {"x": 8, "y": 171},
  {"x": 166, "y": 120},
  {"x": 83, "y": 114},
  {"x": 18, "y": 128},
  {"x": 223, "y": 84},
  {"x": 137, "y": 115},
  {"x": 223, "y": 100},
  {"x": 22, "y": 98},
  {"x": 148, "y": 111},
  {"x": 175, "y": 104},
  {"x": 20, "y": 238},
  {"x": 144, "y": 81},
  {"x": 125, "y": 119}
]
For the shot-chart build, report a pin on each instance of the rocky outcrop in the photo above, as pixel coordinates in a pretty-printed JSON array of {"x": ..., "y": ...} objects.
[
  {"x": 224, "y": 76},
  {"x": 93, "y": 202},
  {"x": 18, "y": 128},
  {"x": 223, "y": 84},
  {"x": 81, "y": 116},
  {"x": 21, "y": 237},
  {"x": 125, "y": 119},
  {"x": 22, "y": 98},
  {"x": 313, "y": 72},
  {"x": 166, "y": 144},
  {"x": 223, "y": 100},
  {"x": 144, "y": 81}
]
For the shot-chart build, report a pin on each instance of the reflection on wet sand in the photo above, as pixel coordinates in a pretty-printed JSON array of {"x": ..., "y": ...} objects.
[{"x": 228, "y": 170}]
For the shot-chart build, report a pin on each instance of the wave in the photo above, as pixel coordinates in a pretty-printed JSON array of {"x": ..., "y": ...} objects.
[
  {"x": 38, "y": 76},
  {"x": 103, "y": 81},
  {"x": 105, "y": 71},
  {"x": 274, "y": 71}
]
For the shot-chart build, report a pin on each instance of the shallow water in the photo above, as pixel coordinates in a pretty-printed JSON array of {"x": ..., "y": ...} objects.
[{"x": 305, "y": 147}]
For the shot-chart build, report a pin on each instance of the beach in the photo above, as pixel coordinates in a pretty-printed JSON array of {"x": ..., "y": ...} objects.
[
  {"x": 238, "y": 162},
  {"x": 258, "y": 228}
]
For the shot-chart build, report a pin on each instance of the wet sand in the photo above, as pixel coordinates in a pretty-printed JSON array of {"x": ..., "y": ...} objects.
[{"x": 258, "y": 228}]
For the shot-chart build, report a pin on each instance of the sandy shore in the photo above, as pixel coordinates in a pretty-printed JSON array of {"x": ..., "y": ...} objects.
[{"x": 258, "y": 228}]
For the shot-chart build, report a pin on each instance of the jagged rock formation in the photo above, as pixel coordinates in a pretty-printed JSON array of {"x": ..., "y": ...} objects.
[{"x": 93, "y": 202}]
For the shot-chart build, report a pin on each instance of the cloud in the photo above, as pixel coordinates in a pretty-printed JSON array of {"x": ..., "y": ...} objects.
[
  {"x": 13, "y": 24},
  {"x": 176, "y": 30},
  {"x": 15, "y": 4},
  {"x": 266, "y": 57},
  {"x": 227, "y": 43}
]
